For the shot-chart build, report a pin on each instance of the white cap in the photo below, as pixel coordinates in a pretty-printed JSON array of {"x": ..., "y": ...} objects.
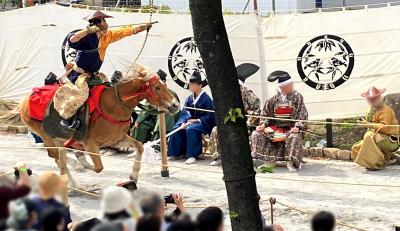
[{"x": 115, "y": 199}]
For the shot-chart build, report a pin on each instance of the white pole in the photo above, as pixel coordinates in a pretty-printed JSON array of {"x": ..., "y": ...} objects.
[{"x": 261, "y": 58}]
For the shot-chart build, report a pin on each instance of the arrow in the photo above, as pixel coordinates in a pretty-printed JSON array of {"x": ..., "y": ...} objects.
[{"x": 135, "y": 24}]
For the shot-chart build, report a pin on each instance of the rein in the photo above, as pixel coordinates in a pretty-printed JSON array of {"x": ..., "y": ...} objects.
[{"x": 145, "y": 38}]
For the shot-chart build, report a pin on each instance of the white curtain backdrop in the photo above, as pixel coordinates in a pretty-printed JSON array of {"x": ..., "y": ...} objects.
[{"x": 31, "y": 38}]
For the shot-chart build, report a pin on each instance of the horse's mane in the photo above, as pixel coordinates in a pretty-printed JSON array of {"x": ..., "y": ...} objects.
[{"x": 137, "y": 71}]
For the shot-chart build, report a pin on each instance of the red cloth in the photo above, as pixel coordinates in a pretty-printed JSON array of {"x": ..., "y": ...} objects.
[
  {"x": 281, "y": 130},
  {"x": 94, "y": 97},
  {"x": 95, "y": 110},
  {"x": 284, "y": 110},
  {"x": 39, "y": 100},
  {"x": 42, "y": 96}
]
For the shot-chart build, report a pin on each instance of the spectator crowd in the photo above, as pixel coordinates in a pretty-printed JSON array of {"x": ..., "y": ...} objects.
[{"x": 122, "y": 208}]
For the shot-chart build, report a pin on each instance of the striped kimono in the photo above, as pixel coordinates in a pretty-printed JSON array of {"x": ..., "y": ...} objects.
[{"x": 284, "y": 107}]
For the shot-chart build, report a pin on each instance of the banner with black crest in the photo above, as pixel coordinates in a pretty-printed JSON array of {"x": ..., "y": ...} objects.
[
  {"x": 331, "y": 56},
  {"x": 334, "y": 56}
]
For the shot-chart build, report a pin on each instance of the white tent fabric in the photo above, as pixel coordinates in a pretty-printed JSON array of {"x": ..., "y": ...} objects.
[
  {"x": 373, "y": 36},
  {"x": 31, "y": 38}
]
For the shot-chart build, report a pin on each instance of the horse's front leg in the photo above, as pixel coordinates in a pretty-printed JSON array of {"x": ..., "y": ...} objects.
[
  {"x": 132, "y": 143},
  {"x": 81, "y": 165},
  {"x": 91, "y": 146}
]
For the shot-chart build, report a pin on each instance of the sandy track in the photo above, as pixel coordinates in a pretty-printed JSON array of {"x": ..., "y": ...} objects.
[{"x": 370, "y": 208}]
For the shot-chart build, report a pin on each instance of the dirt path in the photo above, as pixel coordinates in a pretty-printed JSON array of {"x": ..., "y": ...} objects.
[{"x": 370, "y": 208}]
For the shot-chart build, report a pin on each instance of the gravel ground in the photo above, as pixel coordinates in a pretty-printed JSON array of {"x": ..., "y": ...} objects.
[{"x": 369, "y": 208}]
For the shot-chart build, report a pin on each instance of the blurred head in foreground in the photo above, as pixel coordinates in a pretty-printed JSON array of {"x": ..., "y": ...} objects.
[{"x": 323, "y": 221}]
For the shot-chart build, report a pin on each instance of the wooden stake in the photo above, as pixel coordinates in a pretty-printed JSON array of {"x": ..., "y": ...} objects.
[
  {"x": 163, "y": 144},
  {"x": 63, "y": 171},
  {"x": 255, "y": 4},
  {"x": 272, "y": 201},
  {"x": 329, "y": 133}
]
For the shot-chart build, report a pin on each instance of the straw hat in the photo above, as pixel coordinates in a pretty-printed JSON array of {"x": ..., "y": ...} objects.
[
  {"x": 115, "y": 199},
  {"x": 50, "y": 184},
  {"x": 96, "y": 15},
  {"x": 373, "y": 92}
]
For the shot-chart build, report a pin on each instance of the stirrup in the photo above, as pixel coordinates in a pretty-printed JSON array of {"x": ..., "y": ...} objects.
[
  {"x": 65, "y": 123},
  {"x": 71, "y": 124}
]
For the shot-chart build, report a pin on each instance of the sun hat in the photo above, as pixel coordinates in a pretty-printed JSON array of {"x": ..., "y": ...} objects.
[
  {"x": 50, "y": 184},
  {"x": 115, "y": 199}
]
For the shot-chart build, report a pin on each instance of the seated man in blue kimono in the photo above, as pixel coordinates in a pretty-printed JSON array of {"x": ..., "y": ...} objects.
[{"x": 193, "y": 123}]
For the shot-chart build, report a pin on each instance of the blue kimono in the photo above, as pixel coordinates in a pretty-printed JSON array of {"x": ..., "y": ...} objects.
[
  {"x": 189, "y": 141},
  {"x": 91, "y": 50}
]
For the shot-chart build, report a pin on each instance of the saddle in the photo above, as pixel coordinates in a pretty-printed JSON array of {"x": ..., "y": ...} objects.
[
  {"x": 42, "y": 109},
  {"x": 53, "y": 128}
]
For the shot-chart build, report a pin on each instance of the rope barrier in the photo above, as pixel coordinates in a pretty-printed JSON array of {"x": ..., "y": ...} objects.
[
  {"x": 331, "y": 182},
  {"x": 308, "y": 213},
  {"x": 7, "y": 174},
  {"x": 304, "y": 121},
  {"x": 202, "y": 206},
  {"x": 98, "y": 196},
  {"x": 186, "y": 205},
  {"x": 222, "y": 205},
  {"x": 84, "y": 191},
  {"x": 210, "y": 171},
  {"x": 199, "y": 206}
]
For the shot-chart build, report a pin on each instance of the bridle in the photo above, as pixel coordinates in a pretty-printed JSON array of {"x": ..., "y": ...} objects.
[{"x": 144, "y": 90}]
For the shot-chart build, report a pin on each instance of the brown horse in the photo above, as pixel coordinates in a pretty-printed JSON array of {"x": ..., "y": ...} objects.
[{"x": 116, "y": 103}]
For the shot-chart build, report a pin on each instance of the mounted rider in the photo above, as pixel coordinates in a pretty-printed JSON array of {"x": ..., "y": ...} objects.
[{"x": 91, "y": 44}]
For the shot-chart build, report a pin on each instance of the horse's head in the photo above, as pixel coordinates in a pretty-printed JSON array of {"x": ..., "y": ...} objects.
[{"x": 153, "y": 89}]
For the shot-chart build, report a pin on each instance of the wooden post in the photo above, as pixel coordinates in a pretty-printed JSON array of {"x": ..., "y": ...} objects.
[
  {"x": 272, "y": 201},
  {"x": 273, "y": 6},
  {"x": 255, "y": 4},
  {"x": 64, "y": 171},
  {"x": 163, "y": 146},
  {"x": 329, "y": 133}
]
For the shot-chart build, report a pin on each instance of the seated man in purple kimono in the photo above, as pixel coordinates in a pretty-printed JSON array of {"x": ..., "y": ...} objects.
[{"x": 193, "y": 123}]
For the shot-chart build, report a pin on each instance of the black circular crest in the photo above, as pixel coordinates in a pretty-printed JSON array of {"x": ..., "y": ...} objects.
[
  {"x": 325, "y": 62},
  {"x": 184, "y": 58},
  {"x": 68, "y": 54}
]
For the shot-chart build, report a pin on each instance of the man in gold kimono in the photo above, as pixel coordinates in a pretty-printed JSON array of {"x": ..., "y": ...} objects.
[
  {"x": 375, "y": 151},
  {"x": 91, "y": 45}
]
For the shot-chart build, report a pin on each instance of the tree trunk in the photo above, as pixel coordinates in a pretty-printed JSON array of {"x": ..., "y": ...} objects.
[{"x": 239, "y": 176}]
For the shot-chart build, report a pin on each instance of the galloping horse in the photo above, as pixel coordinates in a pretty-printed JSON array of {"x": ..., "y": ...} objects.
[{"x": 116, "y": 104}]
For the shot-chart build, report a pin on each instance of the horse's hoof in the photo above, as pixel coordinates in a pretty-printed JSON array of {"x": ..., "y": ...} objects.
[
  {"x": 130, "y": 185},
  {"x": 98, "y": 169}
]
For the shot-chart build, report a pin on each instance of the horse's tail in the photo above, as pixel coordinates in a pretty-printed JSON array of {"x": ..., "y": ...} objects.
[{"x": 10, "y": 112}]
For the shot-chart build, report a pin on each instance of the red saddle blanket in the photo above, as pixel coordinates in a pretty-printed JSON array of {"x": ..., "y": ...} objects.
[{"x": 42, "y": 96}]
